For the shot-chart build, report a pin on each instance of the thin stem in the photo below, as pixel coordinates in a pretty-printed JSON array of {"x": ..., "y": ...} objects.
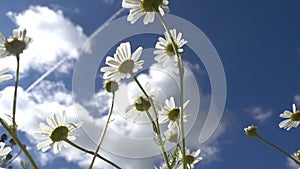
[
  {"x": 92, "y": 153},
  {"x": 18, "y": 142},
  {"x": 156, "y": 127},
  {"x": 277, "y": 148},
  {"x": 181, "y": 74},
  {"x": 103, "y": 132},
  {"x": 15, "y": 94}
]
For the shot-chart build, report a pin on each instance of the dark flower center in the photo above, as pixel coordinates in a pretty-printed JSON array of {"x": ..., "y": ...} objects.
[
  {"x": 126, "y": 66},
  {"x": 144, "y": 105},
  {"x": 295, "y": 116},
  {"x": 189, "y": 159},
  {"x": 59, "y": 133},
  {"x": 170, "y": 50},
  {"x": 151, "y": 5},
  {"x": 15, "y": 46},
  {"x": 173, "y": 114}
]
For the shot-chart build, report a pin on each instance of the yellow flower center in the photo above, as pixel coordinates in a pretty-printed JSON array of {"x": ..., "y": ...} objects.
[
  {"x": 295, "y": 116},
  {"x": 173, "y": 114},
  {"x": 170, "y": 50},
  {"x": 59, "y": 133},
  {"x": 189, "y": 159},
  {"x": 126, "y": 66},
  {"x": 15, "y": 46},
  {"x": 151, "y": 5}
]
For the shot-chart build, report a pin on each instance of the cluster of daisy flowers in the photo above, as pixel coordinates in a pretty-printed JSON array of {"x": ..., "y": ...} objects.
[
  {"x": 124, "y": 64},
  {"x": 291, "y": 120}
]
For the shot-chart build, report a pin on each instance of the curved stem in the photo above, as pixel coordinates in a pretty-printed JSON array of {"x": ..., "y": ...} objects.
[
  {"x": 18, "y": 142},
  {"x": 181, "y": 74},
  {"x": 277, "y": 148},
  {"x": 92, "y": 153},
  {"x": 156, "y": 127},
  {"x": 103, "y": 132},
  {"x": 15, "y": 94}
]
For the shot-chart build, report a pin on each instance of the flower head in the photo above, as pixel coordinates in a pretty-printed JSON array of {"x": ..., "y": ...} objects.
[
  {"x": 171, "y": 113},
  {"x": 190, "y": 158},
  {"x": 164, "y": 48},
  {"x": 124, "y": 64},
  {"x": 142, "y": 104},
  {"x": 293, "y": 118},
  {"x": 15, "y": 44},
  {"x": 4, "y": 150},
  {"x": 251, "y": 131},
  {"x": 111, "y": 86},
  {"x": 172, "y": 134},
  {"x": 139, "y": 8},
  {"x": 297, "y": 155},
  {"x": 57, "y": 131}
]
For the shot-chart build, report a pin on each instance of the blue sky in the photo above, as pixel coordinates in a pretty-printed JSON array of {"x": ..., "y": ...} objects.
[{"x": 257, "y": 42}]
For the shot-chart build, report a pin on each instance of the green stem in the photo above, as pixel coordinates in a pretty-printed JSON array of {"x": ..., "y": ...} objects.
[
  {"x": 103, "y": 132},
  {"x": 92, "y": 153},
  {"x": 277, "y": 148},
  {"x": 15, "y": 94},
  {"x": 156, "y": 127},
  {"x": 181, "y": 74},
  {"x": 18, "y": 142}
]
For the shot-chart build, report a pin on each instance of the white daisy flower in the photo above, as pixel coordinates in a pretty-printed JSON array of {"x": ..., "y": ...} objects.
[
  {"x": 172, "y": 134},
  {"x": 164, "y": 48},
  {"x": 171, "y": 113},
  {"x": 142, "y": 104},
  {"x": 15, "y": 44},
  {"x": 124, "y": 64},
  {"x": 4, "y": 150},
  {"x": 57, "y": 130},
  {"x": 293, "y": 118},
  {"x": 148, "y": 8},
  {"x": 190, "y": 158}
]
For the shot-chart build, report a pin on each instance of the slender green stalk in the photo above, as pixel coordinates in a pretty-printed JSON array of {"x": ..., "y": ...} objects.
[
  {"x": 18, "y": 142},
  {"x": 15, "y": 94},
  {"x": 92, "y": 153},
  {"x": 181, "y": 74},
  {"x": 155, "y": 126},
  {"x": 277, "y": 148},
  {"x": 103, "y": 132}
]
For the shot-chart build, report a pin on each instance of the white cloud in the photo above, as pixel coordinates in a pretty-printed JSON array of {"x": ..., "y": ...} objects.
[
  {"x": 297, "y": 99},
  {"x": 259, "y": 113},
  {"x": 54, "y": 37}
]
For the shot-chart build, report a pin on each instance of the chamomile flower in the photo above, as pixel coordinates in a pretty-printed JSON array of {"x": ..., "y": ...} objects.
[
  {"x": 56, "y": 132},
  {"x": 15, "y": 44},
  {"x": 293, "y": 118},
  {"x": 251, "y": 131},
  {"x": 172, "y": 134},
  {"x": 4, "y": 150},
  {"x": 123, "y": 64},
  {"x": 138, "y": 8},
  {"x": 171, "y": 113},
  {"x": 164, "y": 48},
  {"x": 191, "y": 158},
  {"x": 142, "y": 103}
]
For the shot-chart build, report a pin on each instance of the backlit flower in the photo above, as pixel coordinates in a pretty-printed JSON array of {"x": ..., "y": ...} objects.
[
  {"x": 190, "y": 158},
  {"x": 15, "y": 44},
  {"x": 56, "y": 132},
  {"x": 138, "y": 8},
  {"x": 171, "y": 113},
  {"x": 123, "y": 64},
  {"x": 164, "y": 48},
  {"x": 251, "y": 131},
  {"x": 293, "y": 118}
]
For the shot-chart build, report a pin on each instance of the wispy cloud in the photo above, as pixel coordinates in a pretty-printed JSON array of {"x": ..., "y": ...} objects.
[
  {"x": 259, "y": 113},
  {"x": 297, "y": 99}
]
